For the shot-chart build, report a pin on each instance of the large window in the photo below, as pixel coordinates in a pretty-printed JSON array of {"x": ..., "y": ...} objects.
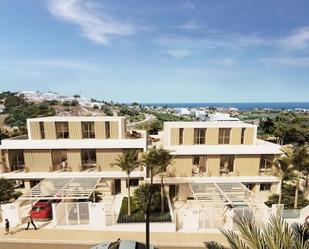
[
  {"x": 199, "y": 136},
  {"x": 227, "y": 163},
  {"x": 89, "y": 157},
  {"x": 224, "y": 135},
  {"x": 42, "y": 130},
  {"x": 62, "y": 129},
  {"x": 108, "y": 129},
  {"x": 88, "y": 129},
  {"x": 265, "y": 163},
  {"x": 180, "y": 135}
]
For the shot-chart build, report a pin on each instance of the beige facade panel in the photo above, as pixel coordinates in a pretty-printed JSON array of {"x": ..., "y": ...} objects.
[
  {"x": 106, "y": 157},
  {"x": 114, "y": 130},
  {"x": 35, "y": 130},
  {"x": 38, "y": 160},
  {"x": 75, "y": 130},
  {"x": 174, "y": 136},
  {"x": 213, "y": 165},
  {"x": 247, "y": 165},
  {"x": 235, "y": 137},
  {"x": 50, "y": 130},
  {"x": 212, "y": 136},
  {"x": 181, "y": 166},
  {"x": 99, "y": 130},
  {"x": 249, "y": 135},
  {"x": 188, "y": 136},
  {"x": 4, "y": 162},
  {"x": 74, "y": 159}
]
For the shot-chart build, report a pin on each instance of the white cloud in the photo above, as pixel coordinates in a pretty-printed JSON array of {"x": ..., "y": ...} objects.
[
  {"x": 179, "y": 53},
  {"x": 288, "y": 61},
  {"x": 298, "y": 40},
  {"x": 97, "y": 27}
]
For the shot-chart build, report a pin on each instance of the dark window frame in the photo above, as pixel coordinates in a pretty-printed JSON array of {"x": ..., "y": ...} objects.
[
  {"x": 62, "y": 130},
  {"x": 199, "y": 135},
  {"x": 225, "y": 137},
  {"x": 88, "y": 130}
]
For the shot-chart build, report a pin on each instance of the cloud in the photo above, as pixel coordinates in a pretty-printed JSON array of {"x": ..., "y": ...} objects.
[
  {"x": 179, "y": 53},
  {"x": 288, "y": 61},
  {"x": 97, "y": 27},
  {"x": 299, "y": 39}
]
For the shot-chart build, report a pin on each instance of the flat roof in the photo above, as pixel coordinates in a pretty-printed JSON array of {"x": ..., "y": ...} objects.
[
  {"x": 76, "y": 118},
  {"x": 223, "y": 124},
  {"x": 225, "y": 149},
  {"x": 73, "y": 143}
]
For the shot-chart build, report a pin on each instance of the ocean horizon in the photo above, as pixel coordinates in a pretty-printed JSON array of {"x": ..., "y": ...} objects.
[{"x": 239, "y": 105}]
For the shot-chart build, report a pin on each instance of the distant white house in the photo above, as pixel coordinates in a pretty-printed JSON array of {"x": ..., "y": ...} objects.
[
  {"x": 182, "y": 111},
  {"x": 221, "y": 117}
]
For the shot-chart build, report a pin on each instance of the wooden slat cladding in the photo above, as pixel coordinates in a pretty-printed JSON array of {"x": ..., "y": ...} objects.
[
  {"x": 212, "y": 136},
  {"x": 50, "y": 130},
  {"x": 249, "y": 135},
  {"x": 188, "y": 136},
  {"x": 105, "y": 157},
  {"x": 247, "y": 165},
  {"x": 38, "y": 160},
  {"x": 75, "y": 130},
  {"x": 213, "y": 165},
  {"x": 235, "y": 136},
  {"x": 174, "y": 136},
  {"x": 35, "y": 130},
  {"x": 181, "y": 166},
  {"x": 74, "y": 159},
  {"x": 99, "y": 129},
  {"x": 114, "y": 126}
]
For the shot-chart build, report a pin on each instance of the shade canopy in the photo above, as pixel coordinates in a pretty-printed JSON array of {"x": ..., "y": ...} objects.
[{"x": 61, "y": 189}]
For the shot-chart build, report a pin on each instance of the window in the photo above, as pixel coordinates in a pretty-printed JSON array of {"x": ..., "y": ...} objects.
[
  {"x": 108, "y": 129},
  {"x": 227, "y": 163},
  {"x": 196, "y": 160},
  {"x": 88, "y": 129},
  {"x": 242, "y": 139},
  {"x": 89, "y": 157},
  {"x": 224, "y": 135},
  {"x": 265, "y": 187},
  {"x": 62, "y": 129},
  {"x": 180, "y": 135},
  {"x": 265, "y": 162},
  {"x": 199, "y": 136},
  {"x": 42, "y": 130}
]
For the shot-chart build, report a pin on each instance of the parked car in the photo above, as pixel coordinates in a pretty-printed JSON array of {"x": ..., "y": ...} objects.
[
  {"x": 121, "y": 244},
  {"x": 42, "y": 210}
]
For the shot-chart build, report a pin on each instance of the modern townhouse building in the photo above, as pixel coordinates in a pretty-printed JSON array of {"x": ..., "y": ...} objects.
[
  {"x": 219, "y": 167},
  {"x": 216, "y": 152},
  {"x": 58, "y": 147}
]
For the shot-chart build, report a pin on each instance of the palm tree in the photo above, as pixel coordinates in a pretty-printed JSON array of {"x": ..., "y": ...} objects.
[
  {"x": 298, "y": 157},
  {"x": 284, "y": 171},
  {"x": 150, "y": 160},
  {"x": 274, "y": 234},
  {"x": 157, "y": 160},
  {"x": 128, "y": 162}
]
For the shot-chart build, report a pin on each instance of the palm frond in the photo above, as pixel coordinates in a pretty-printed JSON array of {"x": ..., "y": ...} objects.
[{"x": 213, "y": 245}]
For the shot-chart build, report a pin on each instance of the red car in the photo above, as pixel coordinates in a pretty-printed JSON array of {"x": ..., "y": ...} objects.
[{"x": 42, "y": 210}]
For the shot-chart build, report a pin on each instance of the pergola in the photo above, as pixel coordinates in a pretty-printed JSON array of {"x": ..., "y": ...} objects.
[
  {"x": 233, "y": 194},
  {"x": 62, "y": 189}
]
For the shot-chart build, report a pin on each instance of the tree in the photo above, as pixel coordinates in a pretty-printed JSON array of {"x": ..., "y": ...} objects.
[
  {"x": 74, "y": 102},
  {"x": 284, "y": 171},
  {"x": 157, "y": 161},
  {"x": 107, "y": 110},
  {"x": 7, "y": 191},
  {"x": 298, "y": 157},
  {"x": 128, "y": 162},
  {"x": 274, "y": 234}
]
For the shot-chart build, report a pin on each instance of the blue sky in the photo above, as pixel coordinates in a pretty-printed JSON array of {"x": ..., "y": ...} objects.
[{"x": 157, "y": 51}]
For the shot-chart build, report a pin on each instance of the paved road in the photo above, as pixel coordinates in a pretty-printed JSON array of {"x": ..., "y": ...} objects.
[{"x": 59, "y": 246}]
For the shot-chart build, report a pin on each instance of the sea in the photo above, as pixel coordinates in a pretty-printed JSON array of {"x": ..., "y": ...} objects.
[{"x": 240, "y": 106}]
